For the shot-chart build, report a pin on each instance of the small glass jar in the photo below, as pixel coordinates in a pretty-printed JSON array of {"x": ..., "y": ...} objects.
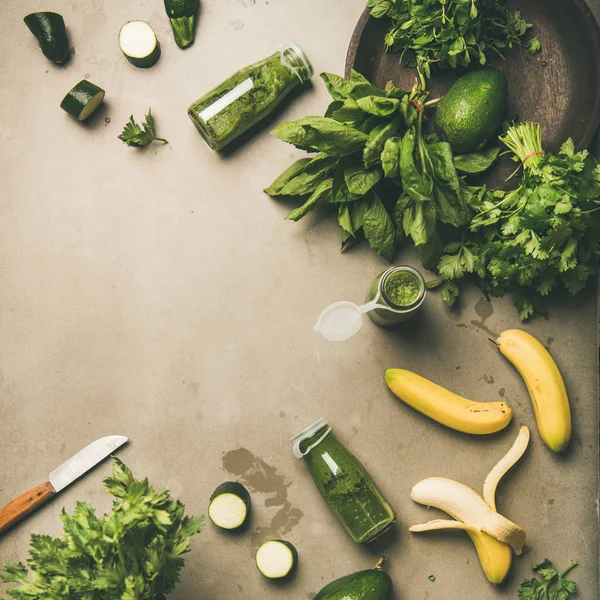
[
  {"x": 249, "y": 95},
  {"x": 344, "y": 483},
  {"x": 399, "y": 306}
]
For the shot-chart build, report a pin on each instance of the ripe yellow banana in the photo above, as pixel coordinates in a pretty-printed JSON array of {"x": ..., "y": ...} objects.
[
  {"x": 445, "y": 407},
  {"x": 492, "y": 534},
  {"x": 545, "y": 384}
]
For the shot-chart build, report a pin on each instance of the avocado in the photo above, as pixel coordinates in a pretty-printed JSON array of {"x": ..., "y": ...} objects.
[
  {"x": 472, "y": 109},
  {"x": 372, "y": 584}
]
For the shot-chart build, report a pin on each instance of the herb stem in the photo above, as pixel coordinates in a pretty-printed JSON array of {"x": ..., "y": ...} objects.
[{"x": 571, "y": 566}]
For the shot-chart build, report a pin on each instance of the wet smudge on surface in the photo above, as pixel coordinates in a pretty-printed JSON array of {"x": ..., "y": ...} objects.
[
  {"x": 484, "y": 310},
  {"x": 260, "y": 477}
]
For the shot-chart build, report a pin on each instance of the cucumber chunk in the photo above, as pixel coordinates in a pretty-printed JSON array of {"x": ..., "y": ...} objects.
[
  {"x": 83, "y": 100},
  {"x": 229, "y": 505},
  {"x": 276, "y": 559},
  {"x": 138, "y": 43},
  {"x": 49, "y": 28}
]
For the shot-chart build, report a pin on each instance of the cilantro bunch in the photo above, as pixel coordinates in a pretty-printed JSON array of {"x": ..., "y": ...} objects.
[
  {"x": 134, "y": 552},
  {"x": 386, "y": 178},
  {"x": 553, "y": 586},
  {"x": 543, "y": 236},
  {"x": 450, "y": 33}
]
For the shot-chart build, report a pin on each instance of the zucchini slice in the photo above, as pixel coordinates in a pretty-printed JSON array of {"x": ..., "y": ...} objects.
[
  {"x": 229, "y": 505},
  {"x": 49, "y": 28},
  {"x": 276, "y": 559},
  {"x": 138, "y": 43},
  {"x": 83, "y": 100}
]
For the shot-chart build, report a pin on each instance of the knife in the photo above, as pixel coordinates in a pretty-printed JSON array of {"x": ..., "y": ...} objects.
[{"x": 59, "y": 479}]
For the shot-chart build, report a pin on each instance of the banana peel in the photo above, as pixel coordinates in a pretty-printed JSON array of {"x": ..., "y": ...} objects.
[{"x": 494, "y": 536}]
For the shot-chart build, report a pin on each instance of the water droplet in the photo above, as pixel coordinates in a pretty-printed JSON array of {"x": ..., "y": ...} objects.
[
  {"x": 544, "y": 63},
  {"x": 87, "y": 75},
  {"x": 107, "y": 120},
  {"x": 237, "y": 24}
]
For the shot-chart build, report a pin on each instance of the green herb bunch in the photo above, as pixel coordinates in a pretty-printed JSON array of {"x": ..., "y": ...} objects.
[
  {"x": 139, "y": 136},
  {"x": 450, "y": 33},
  {"x": 385, "y": 177},
  {"x": 132, "y": 553},
  {"x": 540, "y": 237},
  {"x": 553, "y": 585}
]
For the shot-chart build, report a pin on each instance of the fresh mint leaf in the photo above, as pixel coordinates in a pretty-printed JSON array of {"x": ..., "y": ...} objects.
[
  {"x": 450, "y": 293},
  {"x": 533, "y": 46},
  {"x": 434, "y": 284}
]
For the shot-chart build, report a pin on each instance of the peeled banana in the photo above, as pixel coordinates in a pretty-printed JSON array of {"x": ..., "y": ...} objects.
[
  {"x": 445, "y": 407},
  {"x": 545, "y": 384},
  {"x": 492, "y": 534}
]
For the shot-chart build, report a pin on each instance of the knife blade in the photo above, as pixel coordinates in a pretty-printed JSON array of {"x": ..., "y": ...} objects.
[{"x": 59, "y": 479}]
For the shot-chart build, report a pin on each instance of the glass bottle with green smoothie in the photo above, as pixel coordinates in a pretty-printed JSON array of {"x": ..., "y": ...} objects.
[
  {"x": 344, "y": 483},
  {"x": 249, "y": 95},
  {"x": 401, "y": 292}
]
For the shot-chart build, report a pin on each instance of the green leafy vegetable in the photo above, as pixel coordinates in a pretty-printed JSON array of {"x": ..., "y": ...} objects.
[
  {"x": 533, "y": 46},
  {"x": 133, "y": 552},
  {"x": 449, "y": 33},
  {"x": 136, "y": 136},
  {"x": 477, "y": 162},
  {"x": 553, "y": 585}
]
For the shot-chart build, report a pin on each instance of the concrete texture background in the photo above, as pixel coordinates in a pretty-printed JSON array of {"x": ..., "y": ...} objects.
[{"x": 159, "y": 294}]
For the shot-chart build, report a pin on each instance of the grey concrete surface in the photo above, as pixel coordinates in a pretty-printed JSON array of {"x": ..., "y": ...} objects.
[{"x": 159, "y": 294}]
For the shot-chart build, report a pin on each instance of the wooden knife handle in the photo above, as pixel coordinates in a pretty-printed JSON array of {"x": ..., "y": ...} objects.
[{"x": 23, "y": 505}]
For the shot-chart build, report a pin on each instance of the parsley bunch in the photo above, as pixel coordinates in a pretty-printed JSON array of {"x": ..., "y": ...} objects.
[
  {"x": 132, "y": 553},
  {"x": 553, "y": 586},
  {"x": 543, "y": 236},
  {"x": 450, "y": 33}
]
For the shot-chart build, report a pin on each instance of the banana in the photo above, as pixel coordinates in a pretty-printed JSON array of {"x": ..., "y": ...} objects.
[
  {"x": 544, "y": 383},
  {"x": 445, "y": 407},
  {"x": 492, "y": 534}
]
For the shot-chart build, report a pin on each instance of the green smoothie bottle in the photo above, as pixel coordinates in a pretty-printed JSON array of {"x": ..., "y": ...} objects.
[
  {"x": 248, "y": 96},
  {"x": 344, "y": 483}
]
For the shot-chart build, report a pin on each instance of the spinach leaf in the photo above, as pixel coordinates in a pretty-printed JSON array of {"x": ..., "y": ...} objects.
[
  {"x": 355, "y": 87},
  {"x": 376, "y": 142},
  {"x": 390, "y": 157},
  {"x": 321, "y": 195},
  {"x": 340, "y": 192},
  {"x": 379, "y": 228},
  {"x": 349, "y": 113},
  {"x": 322, "y": 135},
  {"x": 418, "y": 187},
  {"x": 345, "y": 220},
  {"x": 360, "y": 180},
  {"x": 378, "y": 106},
  {"x": 476, "y": 162},
  {"x": 309, "y": 178},
  {"x": 287, "y": 175},
  {"x": 423, "y": 222}
]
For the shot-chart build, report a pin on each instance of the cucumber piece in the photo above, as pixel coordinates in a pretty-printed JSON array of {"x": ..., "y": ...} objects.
[
  {"x": 229, "y": 505},
  {"x": 372, "y": 584},
  {"x": 83, "y": 100},
  {"x": 49, "y": 28},
  {"x": 276, "y": 559},
  {"x": 182, "y": 14},
  {"x": 138, "y": 43}
]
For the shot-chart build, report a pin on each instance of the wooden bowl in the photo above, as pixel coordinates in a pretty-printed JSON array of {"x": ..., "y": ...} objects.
[{"x": 559, "y": 87}]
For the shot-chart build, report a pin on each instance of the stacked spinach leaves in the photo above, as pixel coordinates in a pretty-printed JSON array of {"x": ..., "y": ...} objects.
[
  {"x": 450, "y": 33},
  {"x": 386, "y": 178}
]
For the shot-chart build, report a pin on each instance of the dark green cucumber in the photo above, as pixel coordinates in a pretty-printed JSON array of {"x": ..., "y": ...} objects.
[
  {"x": 372, "y": 584},
  {"x": 473, "y": 109},
  {"x": 49, "y": 28},
  {"x": 229, "y": 505},
  {"x": 138, "y": 43},
  {"x": 276, "y": 559},
  {"x": 182, "y": 14},
  {"x": 83, "y": 100}
]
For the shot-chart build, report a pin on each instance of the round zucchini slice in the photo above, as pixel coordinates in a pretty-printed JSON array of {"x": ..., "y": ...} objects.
[
  {"x": 83, "y": 100},
  {"x": 276, "y": 559},
  {"x": 138, "y": 43},
  {"x": 229, "y": 505}
]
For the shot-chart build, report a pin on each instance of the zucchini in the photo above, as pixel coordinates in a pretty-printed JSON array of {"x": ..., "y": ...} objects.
[
  {"x": 49, "y": 28},
  {"x": 372, "y": 584},
  {"x": 276, "y": 559},
  {"x": 83, "y": 100},
  {"x": 229, "y": 505},
  {"x": 138, "y": 43},
  {"x": 182, "y": 14}
]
